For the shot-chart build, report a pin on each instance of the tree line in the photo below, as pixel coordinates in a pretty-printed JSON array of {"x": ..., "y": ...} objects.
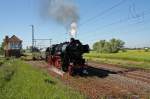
[{"x": 111, "y": 46}]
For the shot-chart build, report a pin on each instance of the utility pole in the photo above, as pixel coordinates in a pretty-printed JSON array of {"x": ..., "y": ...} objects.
[
  {"x": 50, "y": 41},
  {"x": 32, "y": 26}
]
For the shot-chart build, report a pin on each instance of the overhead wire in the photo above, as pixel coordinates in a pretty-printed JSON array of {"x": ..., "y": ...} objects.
[
  {"x": 102, "y": 13},
  {"x": 92, "y": 38},
  {"x": 118, "y": 22}
]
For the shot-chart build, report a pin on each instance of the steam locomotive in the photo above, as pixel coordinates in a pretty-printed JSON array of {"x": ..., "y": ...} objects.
[{"x": 67, "y": 56}]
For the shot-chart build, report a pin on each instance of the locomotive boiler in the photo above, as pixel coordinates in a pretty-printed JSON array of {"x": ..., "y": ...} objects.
[{"x": 68, "y": 56}]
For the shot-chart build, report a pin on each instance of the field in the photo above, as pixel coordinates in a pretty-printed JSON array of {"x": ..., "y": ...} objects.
[
  {"x": 129, "y": 59},
  {"x": 19, "y": 80}
]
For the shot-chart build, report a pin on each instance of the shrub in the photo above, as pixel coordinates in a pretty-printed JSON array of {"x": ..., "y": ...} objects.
[
  {"x": 111, "y": 46},
  {"x": 146, "y": 49}
]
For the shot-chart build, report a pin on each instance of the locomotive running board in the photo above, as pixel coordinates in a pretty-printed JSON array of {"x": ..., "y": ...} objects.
[{"x": 54, "y": 69}]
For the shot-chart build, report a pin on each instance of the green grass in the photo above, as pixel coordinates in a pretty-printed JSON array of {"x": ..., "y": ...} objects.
[
  {"x": 2, "y": 60},
  {"x": 19, "y": 80},
  {"x": 131, "y": 58}
]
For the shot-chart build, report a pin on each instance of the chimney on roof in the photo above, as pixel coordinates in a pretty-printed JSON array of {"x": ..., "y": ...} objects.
[{"x": 6, "y": 38}]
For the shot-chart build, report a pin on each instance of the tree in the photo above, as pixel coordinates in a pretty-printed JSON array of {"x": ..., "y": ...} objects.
[
  {"x": 107, "y": 47},
  {"x": 111, "y": 46},
  {"x": 116, "y": 45},
  {"x": 101, "y": 45},
  {"x": 98, "y": 46}
]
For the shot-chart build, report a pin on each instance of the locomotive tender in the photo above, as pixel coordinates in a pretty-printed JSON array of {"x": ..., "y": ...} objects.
[{"x": 67, "y": 56}]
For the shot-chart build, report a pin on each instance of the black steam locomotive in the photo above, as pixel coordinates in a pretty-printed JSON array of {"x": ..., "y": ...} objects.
[{"x": 68, "y": 56}]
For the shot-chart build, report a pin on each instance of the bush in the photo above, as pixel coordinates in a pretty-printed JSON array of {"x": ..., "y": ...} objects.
[
  {"x": 1, "y": 49},
  {"x": 124, "y": 50},
  {"x": 111, "y": 46},
  {"x": 146, "y": 49},
  {"x": 6, "y": 74}
]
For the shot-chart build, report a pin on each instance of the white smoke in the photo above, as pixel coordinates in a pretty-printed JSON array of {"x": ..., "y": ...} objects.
[
  {"x": 62, "y": 11},
  {"x": 73, "y": 29}
]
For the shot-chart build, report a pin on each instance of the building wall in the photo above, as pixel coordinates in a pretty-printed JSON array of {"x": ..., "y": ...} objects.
[
  {"x": 16, "y": 45},
  {"x": 15, "y": 53},
  {"x": 13, "y": 49}
]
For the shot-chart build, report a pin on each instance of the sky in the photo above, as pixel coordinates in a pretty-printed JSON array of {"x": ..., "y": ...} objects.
[{"x": 128, "y": 20}]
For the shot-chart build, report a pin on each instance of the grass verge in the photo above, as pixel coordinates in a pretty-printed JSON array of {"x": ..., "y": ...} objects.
[
  {"x": 129, "y": 59},
  {"x": 19, "y": 80}
]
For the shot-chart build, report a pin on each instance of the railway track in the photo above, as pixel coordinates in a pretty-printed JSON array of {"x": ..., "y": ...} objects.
[
  {"x": 107, "y": 80},
  {"x": 130, "y": 73}
]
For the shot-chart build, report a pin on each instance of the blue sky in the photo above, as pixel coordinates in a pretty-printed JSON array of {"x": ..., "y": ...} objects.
[{"x": 129, "y": 21}]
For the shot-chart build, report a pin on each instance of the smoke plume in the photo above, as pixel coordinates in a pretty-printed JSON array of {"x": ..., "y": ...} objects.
[
  {"x": 62, "y": 11},
  {"x": 73, "y": 29}
]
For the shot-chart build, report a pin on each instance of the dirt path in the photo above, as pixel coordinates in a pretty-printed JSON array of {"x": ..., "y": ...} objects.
[{"x": 107, "y": 80}]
